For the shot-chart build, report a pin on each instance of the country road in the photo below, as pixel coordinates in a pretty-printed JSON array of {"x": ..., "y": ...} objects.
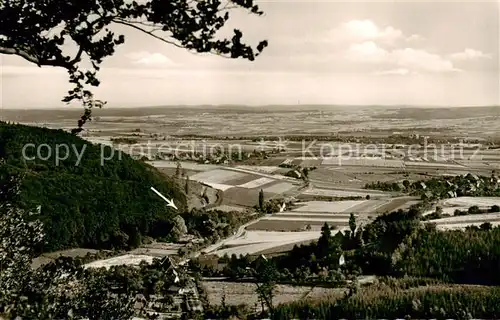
[
  {"x": 239, "y": 233},
  {"x": 220, "y": 243}
]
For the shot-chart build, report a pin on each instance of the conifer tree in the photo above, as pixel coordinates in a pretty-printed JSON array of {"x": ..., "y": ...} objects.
[
  {"x": 261, "y": 200},
  {"x": 186, "y": 186}
]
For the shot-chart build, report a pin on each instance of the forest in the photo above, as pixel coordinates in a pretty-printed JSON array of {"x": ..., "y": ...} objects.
[
  {"x": 82, "y": 202},
  {"x": 386, "y": 302},
  {"x": 421, "y": 272}
]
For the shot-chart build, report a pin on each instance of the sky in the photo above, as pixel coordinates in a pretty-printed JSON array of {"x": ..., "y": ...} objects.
[{"x": 422, "y": 53}]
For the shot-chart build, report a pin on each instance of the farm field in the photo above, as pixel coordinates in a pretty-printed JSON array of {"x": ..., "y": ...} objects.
[
  {"x": 51, "y": 256},
  {"x": 257, "y": 183},
  {"x": 469, "y": 218},
  {"x": 464, "y": 203},
  {"x": 339, "y": 206},
  {"x": 463, "y": 225},
  {"x": 127, "y": 259},
  {"x": 216, "y": 176},
  {"x": 313, "y": 214},
  {"x": 449, "y": 206},
  {"x": 298, "y": 214},
  {"x": 433, "y": 164},
  {"x": 279, "y": 188},
  {"x": 481, "y": 202},
  {"x": 343, "y": 177},
  {"x": 172, "y": 171},
  {"x": 246, "y": 178},
  {"x": 399, "y": 204},
  {"x": 364, "y": 162},
  {"x": 343, "y": 193},
  {"x": 263, "y": 168},
  {"x": 355, "y": 206},
  {"x": 240, "y": 185},
  {"x": 251, "y": 237},
  {"x": 145, "y": 253},
  {"x": 241, "y": 197},
  {"x": 449, "y": 210},
  {"x": 277, "y": 250},
  {"x": 185, "y": 164},
  {"x": 221, "y": 179},
  {"x": 309, "y": 162},
  {"x": 479, "y": 164},
  {"x": 229, "y": 208},
  {"x": 244, "y": 293},
  {"x": 254, "y": 242},
  {"x": 290, "y": 225},
  {"x": 158, "y": 249},
  {"x": 307, "y": 219},
  {"x": 79, "y": 252}
]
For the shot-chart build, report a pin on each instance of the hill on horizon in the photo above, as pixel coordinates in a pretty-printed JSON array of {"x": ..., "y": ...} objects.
[{"x": 400, "y": 112}]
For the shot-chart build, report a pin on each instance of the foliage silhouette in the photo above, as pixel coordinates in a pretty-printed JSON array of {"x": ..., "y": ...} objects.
[{"x": 40, "y": 31}]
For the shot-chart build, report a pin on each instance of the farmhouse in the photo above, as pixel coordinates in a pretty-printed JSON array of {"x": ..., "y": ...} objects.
[{"x": 179, "y": 300}]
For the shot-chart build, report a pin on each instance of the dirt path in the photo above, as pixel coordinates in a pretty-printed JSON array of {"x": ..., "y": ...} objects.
[
  {"x": 220, "y": 243},
  {"x": 239, "y": 233}
]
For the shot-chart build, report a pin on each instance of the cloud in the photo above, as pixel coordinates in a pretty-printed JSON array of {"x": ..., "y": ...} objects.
[
  {"x": 367, "y": 30},
  {"x": 408, "y": 58},
  {"x": 398, "y": 72},
  {"x": 148, "y": 59},
  {"x": 415, "y": 38},
  {"x": 367, "y": 51},
  {"x": 402, "y": 59},
  {"x": 422, "y": 60},
  {"x": 469, "y": 54}
]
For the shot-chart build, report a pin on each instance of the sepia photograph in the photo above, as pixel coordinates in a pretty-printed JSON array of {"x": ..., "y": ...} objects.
[{"x": 249, "y": 159}]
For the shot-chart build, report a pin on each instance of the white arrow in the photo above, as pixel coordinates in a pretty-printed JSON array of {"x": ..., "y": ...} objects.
[{"x": 170, "y": 203}]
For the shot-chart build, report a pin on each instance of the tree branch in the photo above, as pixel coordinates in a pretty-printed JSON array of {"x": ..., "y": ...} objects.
[
  {"x": 21, "y": 53},
  {"x": 120, "y": 21},
  {"x": 132, "y": 25},
  {"x": 78, "y": 56},
  {"x": 90, "y": 26},
  {"x": 35, "y": 60}
]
